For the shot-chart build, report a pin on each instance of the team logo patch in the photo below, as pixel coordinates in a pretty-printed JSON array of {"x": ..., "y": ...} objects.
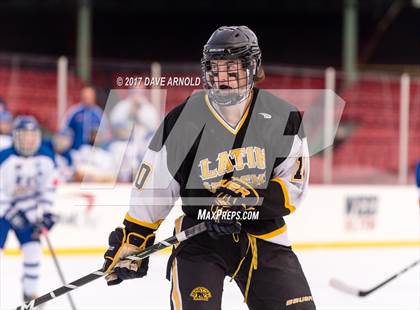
[{"x": 200, "y": 293}]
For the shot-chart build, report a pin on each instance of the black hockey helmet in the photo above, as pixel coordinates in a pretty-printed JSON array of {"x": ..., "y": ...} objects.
[{"x": 231, "y": 43}]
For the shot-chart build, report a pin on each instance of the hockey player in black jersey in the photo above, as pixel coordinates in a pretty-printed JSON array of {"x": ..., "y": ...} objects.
[{"x": 237, "y": 156}]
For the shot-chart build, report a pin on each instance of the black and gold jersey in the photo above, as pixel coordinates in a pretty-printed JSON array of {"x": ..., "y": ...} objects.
[{"x": 195, "y": 148}]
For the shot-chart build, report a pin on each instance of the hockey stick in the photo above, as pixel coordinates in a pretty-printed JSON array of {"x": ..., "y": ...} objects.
[
  {"x": 57, "y": 266},
  {"x": 343, "y": 287},
  {"x": 181, "y": 236}
]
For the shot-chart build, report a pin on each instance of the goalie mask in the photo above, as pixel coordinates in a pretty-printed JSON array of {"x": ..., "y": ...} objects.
[
  {"x": 26, "y": 135},
  {"x": 231, "y": 63}
]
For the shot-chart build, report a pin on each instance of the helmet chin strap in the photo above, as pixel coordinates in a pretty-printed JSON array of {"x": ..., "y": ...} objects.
[{"x": 227, "y": 100}]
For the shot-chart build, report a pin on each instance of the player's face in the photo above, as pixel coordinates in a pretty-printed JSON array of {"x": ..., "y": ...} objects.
[
  {"x": 5, "y": 127},
  {"x": 228, "y": 74},
  {"x": 30, "y": 138},
  {"x": 88, "y": 96},
  {"x": 61, "y": 143},
  {"x": 27, "y": 141}
]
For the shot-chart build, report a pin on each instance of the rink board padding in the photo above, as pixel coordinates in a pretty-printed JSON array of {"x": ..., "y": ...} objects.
[{"x": 330, "y": 217}]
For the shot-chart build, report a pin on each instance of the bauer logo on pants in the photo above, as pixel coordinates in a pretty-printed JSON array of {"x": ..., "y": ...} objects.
[
  {"x": 298, "y": 300},
  {"x": 200, "y": 294}
]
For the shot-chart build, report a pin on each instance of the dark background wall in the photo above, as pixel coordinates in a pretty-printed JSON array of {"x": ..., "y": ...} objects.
[{"x": 303, "y": 33}]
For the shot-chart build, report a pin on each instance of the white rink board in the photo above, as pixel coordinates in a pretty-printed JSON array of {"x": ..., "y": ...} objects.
[
  {"x": 332, "y": 214},
  {"x": 329, "y": 214}
]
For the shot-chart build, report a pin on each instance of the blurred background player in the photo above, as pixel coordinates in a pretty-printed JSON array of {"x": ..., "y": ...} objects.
[
  {"x": 93, "y": 162},
  {"x": 3, "y": 105},
  {"x": 134, "y": 121},
  {"x": 6, "y": 120},
  {"x": 125, "y": 152},
  {"x": 84, "y": 117},
  {"x": 62, "y": 141},
  {"x": 28, "y": 179},
  {"x": 137, "y": 115},
  {"x": 137, "y": 110}
]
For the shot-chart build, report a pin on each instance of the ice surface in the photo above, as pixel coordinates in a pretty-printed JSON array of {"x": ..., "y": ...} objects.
[{"x": 362, "y": 268}]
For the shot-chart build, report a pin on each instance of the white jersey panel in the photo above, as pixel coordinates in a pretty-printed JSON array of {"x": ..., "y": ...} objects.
[
  {"x": 155, "y": 190},
  {"x": 27, "y": 184},
  {"x": 293, "y": 173}
]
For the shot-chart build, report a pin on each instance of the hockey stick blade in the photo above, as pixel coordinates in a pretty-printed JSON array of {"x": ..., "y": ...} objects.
[
  {"x": 343, "y": 287},
  {"x": 181, "y": 236},
  {"x": 339, "y": 285}
]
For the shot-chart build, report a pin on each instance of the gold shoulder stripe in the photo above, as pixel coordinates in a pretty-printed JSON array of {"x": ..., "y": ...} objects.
[
  {"x": 272, "y": 234},
  {"x": 154, "y": 225},
  {"x": 287, "y": 203}
]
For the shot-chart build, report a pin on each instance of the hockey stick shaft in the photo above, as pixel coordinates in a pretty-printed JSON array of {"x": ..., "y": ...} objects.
[
  {"x": 183, "y": 235},
  {"x": 343, "y": 287},
  {"x": 57, "y": 266},
  {"x": 365, "y": 293}
]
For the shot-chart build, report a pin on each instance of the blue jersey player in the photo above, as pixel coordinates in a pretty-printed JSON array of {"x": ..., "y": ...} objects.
[{"x": 28, "y": 180}]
